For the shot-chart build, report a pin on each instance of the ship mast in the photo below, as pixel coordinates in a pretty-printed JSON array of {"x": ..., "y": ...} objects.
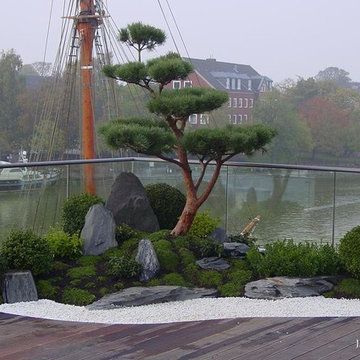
[{"x": 86, "y": 26}]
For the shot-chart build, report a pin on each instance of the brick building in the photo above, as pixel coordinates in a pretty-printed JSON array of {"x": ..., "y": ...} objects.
[{"x": 241, "y": 82}]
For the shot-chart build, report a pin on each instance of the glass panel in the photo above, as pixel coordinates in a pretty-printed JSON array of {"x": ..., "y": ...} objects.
[
  {"x": 347, "y": 203},
  {"x": 293, "y": 204}
]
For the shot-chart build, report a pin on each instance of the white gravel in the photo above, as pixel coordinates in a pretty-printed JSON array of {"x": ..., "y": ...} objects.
[{"x": 189, "y": 310}]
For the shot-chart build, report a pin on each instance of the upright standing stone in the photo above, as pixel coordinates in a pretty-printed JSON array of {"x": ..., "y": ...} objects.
[
  {"x": 129, "y": 204},
  {"x": 98, "y": 232},
  {"x": 148, "y": 259},
  {"x": 19, "y": 286}
]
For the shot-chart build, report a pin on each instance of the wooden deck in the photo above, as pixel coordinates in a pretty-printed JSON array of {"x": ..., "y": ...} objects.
[{"x": 23, "y": 338}]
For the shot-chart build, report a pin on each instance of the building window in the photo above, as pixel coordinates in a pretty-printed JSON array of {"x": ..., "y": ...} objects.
[
  {"x": 187, "y": 84},
  {"x": 204, "y": 119},
  {"x": 249, "y": 85},
  {"x": 245, "y": 118},
  {"x": 251, "y": 103},
  {"x": 176, "y": 84},
  {"x": 234, "y": 119},
  {"x": 229, "y": 101},
  {"x": 235, "y": 104},
  {"x": 240, "y": 102},
  {"x": 246, "y": 103},
  {"x": 228, "y": 83},
  {"x": 233, "y": 83},
  {"x": 239, "y": 84},
  {"x": 240, "y": 119},
  {"x": 193, "y": 119}
]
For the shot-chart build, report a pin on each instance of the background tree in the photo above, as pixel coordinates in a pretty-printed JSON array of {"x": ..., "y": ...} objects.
[
  {"x": 293, "y": 138},
  {"x": 333, "y": 73},
  {"x": 11, "y": 85},
  {"x": 328, "y": 125},
  {"x": 165, "y": 135}
]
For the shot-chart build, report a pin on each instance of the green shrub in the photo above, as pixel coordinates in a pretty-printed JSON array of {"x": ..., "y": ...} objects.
[
  {"x": 210, "y": 278},
  {"x": 64, "y": 245},
  {"x": 231, "y": 289},
  {"x": 203, "y": 224},
  {"x": 349, "y": 251},
  {"x": 24, "y": 250},
  {"x": 348, "y": 288},
  {"x": 168, "y": 259},
  {"x": 174, "y": 279},
  {"x": 81, "y": 272},
  {"x": 246, "y": 239},
  {"x": 205, "y": 247},
  {"x": 77, "y": 297},
  {"x": 46, "y": 290},
  {"x": 239, "y": 276},
  {"x": 124, "y": 232},
  {"x": 167, "y": 203},
  {"x": 124, "y": 267},
  {"x": 285, "y": 258},
  {"x": 75, "y": 209}
]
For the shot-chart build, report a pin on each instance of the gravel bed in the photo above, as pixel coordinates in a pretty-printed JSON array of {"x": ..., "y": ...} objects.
[{"x": 189, "y": 310}]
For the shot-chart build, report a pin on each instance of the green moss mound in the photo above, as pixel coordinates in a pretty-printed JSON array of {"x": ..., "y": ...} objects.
[
  {"x": 78, "y": 297},
  {"x": 167, "y": 203}
]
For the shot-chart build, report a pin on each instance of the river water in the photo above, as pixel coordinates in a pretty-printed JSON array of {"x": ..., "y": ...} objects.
[{"x": 304, "y": 213}]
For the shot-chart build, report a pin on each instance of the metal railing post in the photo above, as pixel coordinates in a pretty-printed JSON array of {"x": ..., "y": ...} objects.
[{"x": 333, "y": 212}]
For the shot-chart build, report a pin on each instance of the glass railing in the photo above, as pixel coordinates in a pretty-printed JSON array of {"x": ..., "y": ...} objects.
[{"x": 317, "y": 204}]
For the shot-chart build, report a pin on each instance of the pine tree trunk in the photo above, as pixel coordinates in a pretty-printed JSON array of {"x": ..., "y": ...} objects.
[{"x": 186, "y": 218}]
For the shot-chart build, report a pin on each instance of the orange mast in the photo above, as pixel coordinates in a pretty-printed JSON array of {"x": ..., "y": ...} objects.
[{"x": 87, "y": 24}]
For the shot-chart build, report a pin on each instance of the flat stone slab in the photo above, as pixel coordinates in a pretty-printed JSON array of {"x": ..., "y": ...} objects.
[
  {"x": 235, "y": 250},
  {"x": 286, "y": 287},
  {"x": 136, "y": 296},
  {"x": 213, "y": 263}
]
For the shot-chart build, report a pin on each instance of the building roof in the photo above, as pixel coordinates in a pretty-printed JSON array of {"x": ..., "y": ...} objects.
[{"x": 217, "y": 73}]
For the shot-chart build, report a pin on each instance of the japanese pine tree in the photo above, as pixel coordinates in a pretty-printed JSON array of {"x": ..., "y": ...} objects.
[{"x": 164, "y": 135}]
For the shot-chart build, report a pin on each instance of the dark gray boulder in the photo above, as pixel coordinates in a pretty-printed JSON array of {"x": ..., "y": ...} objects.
[
  {"x": 148, "y": 259},
  {"x": 219, "y": 235},
  {"x": 136, "y": 296},
  {"x": 235, "y": 250},
  {"x": 19, "y": 286},
  {"x": 213, "y": 263},
  {"x": 129, "y": 204},
  {"x": 284, "y": 287},
  {"x": 98, "y": 232}
]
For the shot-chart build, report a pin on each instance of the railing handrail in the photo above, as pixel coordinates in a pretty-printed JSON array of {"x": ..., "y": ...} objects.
[{"x": 228, "y": 163}]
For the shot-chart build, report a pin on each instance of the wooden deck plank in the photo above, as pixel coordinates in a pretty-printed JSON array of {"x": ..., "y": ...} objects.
[
  {"x": 290, "y": 338},
  {"x": 24, "y": 338}
]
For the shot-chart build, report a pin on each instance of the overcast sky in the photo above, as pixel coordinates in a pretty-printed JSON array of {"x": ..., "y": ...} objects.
[{"x": 278, "y": 38}]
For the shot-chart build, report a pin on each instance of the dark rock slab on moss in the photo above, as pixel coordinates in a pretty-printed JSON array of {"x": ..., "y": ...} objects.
[{"x": 136, "y": 296}]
